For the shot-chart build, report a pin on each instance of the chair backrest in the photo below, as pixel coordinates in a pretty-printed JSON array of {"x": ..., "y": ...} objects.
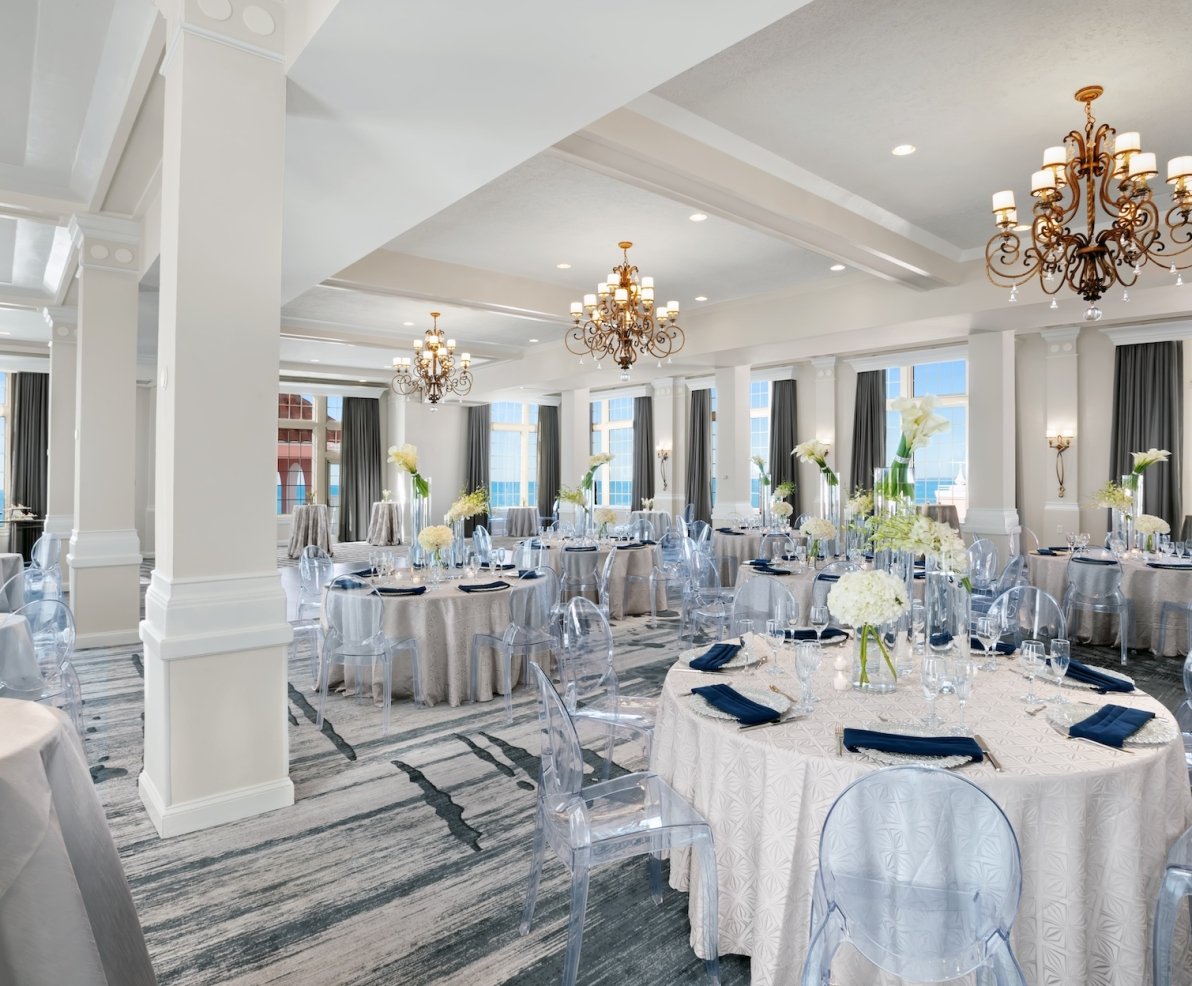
[
  {"x": 355, "y": 618},
  {"x": 1011, "y": 574},
  {"x": 760, "y": 599},
  {"x": 1188, "y": 676},
  {"x": 776, "y": 546},
  {"x": 533, "y": 599},
  {"x": 703, "y": 572},
  {"x": 827, "y": 577},
  {"x": 1094, "y": 573},
  {"x": 561, "y": 758},
  {"x": 315, "y": 571},
  {"x": 527, "y": 556},
  {"x": 680, "y": 525},
  {"x": 46, "y": 553},
  {"x": 672, "y": 549},
  {"x": 606, "y": 570},
  {"x": 801, "y": 520},
  {"x": 1027, "y": 541},
  {"x": 983, "y": 563},
  {"x": 52, "y": 627},
  {"x": 586, "y": 665},
  {"x": 929, "y": 837},
  {"x": 1027, "y": 613},
  {"x": 640, "y": 529},
  {"x": 312, "y": 551},
  {"x": 700, "y": 531},
  {"x": 689, "y": 513},
  {"x": 482, "y": 543}
]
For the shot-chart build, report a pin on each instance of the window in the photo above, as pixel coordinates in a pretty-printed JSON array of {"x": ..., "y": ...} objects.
[
  {"x": 712, "y": 401},
  {"x": 759, "y": 434},
  {"x": 612, "y": 431},
  {"x": 513, "y": 454},
  {"x": 941, "y": 469},
  {"x": 309, "y": 431}
]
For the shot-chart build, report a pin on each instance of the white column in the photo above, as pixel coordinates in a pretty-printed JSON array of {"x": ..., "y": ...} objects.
[
  {"x": 668, "y": 499},
  {"x": 823, "y": 423},
  {"x": 733, "y": 468},
  {"x": 1061, "y": 514},
  {"x": 575, "y": 434},
  {"x": 992, "y": 450},
  {"x": 64, "y": 338},
  {"x": 215, "y": 631},
  {"x": 397, "y": 480},
  {"x": 105, "y": 554}
]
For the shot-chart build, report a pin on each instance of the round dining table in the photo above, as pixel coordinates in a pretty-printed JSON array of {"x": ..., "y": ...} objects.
[
  {"x": 309, "y": 524},
  {"x": 1094, "y": 823},
  {"x": 521, "y": 521},
  {"x": 384, "y": 523}
]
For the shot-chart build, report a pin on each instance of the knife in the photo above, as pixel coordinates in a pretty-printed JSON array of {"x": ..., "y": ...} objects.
[
  {"x": 997, "y": 764},
  {"x": 839, "y": 740}
]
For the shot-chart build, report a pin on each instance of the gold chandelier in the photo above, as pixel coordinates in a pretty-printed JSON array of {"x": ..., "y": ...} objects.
[
  {"x": 432, "y": 370},
  {"x": 620, "y": 320},
  {"x": 1093, "y": 169}
]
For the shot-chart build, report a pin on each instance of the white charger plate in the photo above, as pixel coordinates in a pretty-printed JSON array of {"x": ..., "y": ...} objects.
[
  {"x": 1158, "y": 732},
  {"x": 763, "y": 696},
  {"x": 1082, "y": 686},
  {"x": 739, "y": 660},
  {"x": 885, "y": 758}
]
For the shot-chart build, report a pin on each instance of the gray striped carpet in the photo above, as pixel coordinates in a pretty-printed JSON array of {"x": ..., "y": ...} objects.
[{"x": 403, "y": 860}]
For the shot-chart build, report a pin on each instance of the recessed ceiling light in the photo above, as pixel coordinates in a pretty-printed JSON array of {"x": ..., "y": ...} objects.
[
  {"x": 314, "y": 361},
  {"x": 563, "y": 266},
  {"x": 697, "y": 217},
  {"x": 836, "y": 267},
  {"x": 531, "y": 340},
  {"x": 701, "y": 297},
  {"x": 902, "y": 150},
  {"x": 407, "y": 324}
]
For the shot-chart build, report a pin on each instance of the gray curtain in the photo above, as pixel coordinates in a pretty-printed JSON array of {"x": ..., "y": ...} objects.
[
  {"x": 359, "y": 467},
  {"x": 643, "y": 452},
  {"x": 699, "y": 455},
  {"x": 549, "y": 466},
  {"x": 1148, "y": 412},
  {"x": 30, "y": 445},
  {"x": 869, "y": 429},
  {"x": 476, "y": 466},
  {"x": 783, "y": 438}
]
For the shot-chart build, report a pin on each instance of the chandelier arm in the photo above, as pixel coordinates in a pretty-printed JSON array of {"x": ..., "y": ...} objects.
[{"x": 1181, "y": 231}]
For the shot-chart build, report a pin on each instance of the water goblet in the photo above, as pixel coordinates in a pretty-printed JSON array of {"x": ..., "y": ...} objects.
[
  {"x": 745, "y": 638},
  {"x": 931, "y": 678},
  {"x": 808, "y": 656},
  {"x": 776, "y": 631},
  {"x": 472, "y": 565},
  {"x": 1030, "y": 656},
  {"x": 1061, "y": 657},
  {"x": 1070, "y": 537},
  {"x": 819, "y": 618},
  {"x": 988, "y": 631},
  {"x": 962, "y": 685},
  {"x": 1082, "y": 541}
]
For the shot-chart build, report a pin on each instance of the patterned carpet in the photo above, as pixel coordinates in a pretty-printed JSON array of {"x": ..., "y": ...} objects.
[{"x": 404, "y": 859}]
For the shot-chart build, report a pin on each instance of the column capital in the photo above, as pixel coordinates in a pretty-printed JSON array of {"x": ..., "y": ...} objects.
[
  {"x": 105, "y": 243},
  {"x": 255, "y": 27},
  {"x": 825, "y": 367},
  {"x": 663, "y": 386},
  {"x": 1061, "y": 342},
  {"x": 63, "y": 323}
]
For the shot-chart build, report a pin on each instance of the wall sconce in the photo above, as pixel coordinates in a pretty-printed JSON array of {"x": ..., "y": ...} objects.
[
  {"x": 1060, "y": 442},
  {"x": 664, "y": 455}
]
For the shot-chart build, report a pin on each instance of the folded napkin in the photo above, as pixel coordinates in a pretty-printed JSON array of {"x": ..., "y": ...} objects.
[
  {"x": 1091, "y": 676},
  {"x": 484, "y": 587},
  {"x": 715, "y": 657},
  {"x": 1001, "y": 647},
  {"x": 1055, "y": 549},
  {"x": 400, "y": 590},
  {"x": 497, "y": 568},
  {"x": 821, "y": 577},
  {"x": 590, "y": 547},
  {"x": 807, "y": 633},
  {"x": 365, "y": 573},
  {"x": 528, "y": 573},
  {"x": 1111, "y": 724},
  {"x": 639, "y": 544},
  {"x": 1049, "y": 552},
  {"x": 1173, "y": 566},
  {"x": 770, "y": 570},
  {"x": 745, "y": 711},
  {"x": 920, "y": 573},
  {"x": 728, "y": 530},
  {"x": 1094, "y": 561},
  {"x": 919, "y": 746},
  {"x": 345, "y": 582}
]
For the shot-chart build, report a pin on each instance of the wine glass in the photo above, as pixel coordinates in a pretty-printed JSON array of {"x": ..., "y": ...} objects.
[
  {"x": 819, "y": 619},
  {"x": 1030, "y": 656},
  {"x": 1082, "y": 541},
  {"x": 1070, "y": 537},
  {"x": 1061, "y": 657},
  {"x": 776, "y": 631},
  {"x": 931, "y": 677},
  {"x": 745, "y": 632},
  {"x": 808, "y": 656},
  {"x": 962, "y": 685},
  {"x": 988, "y": 631}
]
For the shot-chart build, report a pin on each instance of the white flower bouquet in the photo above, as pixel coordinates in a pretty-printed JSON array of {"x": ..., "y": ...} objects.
[
  {"x": 783, "y": 490},
  {"x": 866, "y": 600},
  {"x": 406, "y": 458},
  {"x": 1113, "y": 497},
  {"x": 386, "y": 495},
  {"x": 573, "y": 495},
  {"x": 782, "y": 509},
  {"x": 1148, "y": 458},
  {"x": 758, "y": 461},
  {"x": 816, "y": 451},
  {"x": 18, "y": 511},
  {"x": 605, "y": 516},
  {"x": 860, "y": 504},
  {"x": 435, "y": 538},
  {"x": 468, "y": 505},
  {"x": 594, "y": 463},
  {"x": 647, "y": 503},
  {"x": 817, "y": 530},
  {"x": 919, "y": 423},
  {"x": 1150, "y": 524}
]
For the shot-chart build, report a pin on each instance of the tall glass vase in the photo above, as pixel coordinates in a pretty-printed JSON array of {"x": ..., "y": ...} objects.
[
  {"x": 586, "y": 522},
  {"x": 457, "y": 554},
  {"x": 872, "y": 672},
  {"x": 1133, "y": 484},
  {"x": 946, "y": 605},
  {"x": 420, "y": 517},
  {"x": 831, "y": 508},
  {"x": 893, "y": 490},
  {"x": 763, "y": 504}
]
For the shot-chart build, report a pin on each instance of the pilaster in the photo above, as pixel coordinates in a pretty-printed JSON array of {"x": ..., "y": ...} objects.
[
  {"x": 64, "y": 339},
  {"x": 734, "y": 471},
  {"x": 1061, "y": 389},
  {"x": 992, "y": 512}
]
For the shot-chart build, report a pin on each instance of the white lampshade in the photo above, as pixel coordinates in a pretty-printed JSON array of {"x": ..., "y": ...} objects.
[
  {"x": 589, "y": 301},
  {"x": 450, "y": 343},
  {"x": 1055, "y": 156},
  {"x": 466, "y": 358},
  {"x": 1043, "y": 181},
  {"x": 1127, "y": 143},
  {"x": 621, "y": 295},
  {"x": 647, "y": 294},
  {"x": 1179, "y": 167},
  {"x": 577, "y": 308},
  {"x": 647, "y": 282},
  {"x": 1142, "y": 165},
  {"x": 417, "y": 343},
  {"x": 1003, "y": 200},
  {"x": 672, "y": 308}
]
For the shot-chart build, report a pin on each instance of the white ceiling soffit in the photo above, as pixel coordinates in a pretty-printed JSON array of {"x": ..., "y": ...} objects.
[{"x": 409, "y": 113}]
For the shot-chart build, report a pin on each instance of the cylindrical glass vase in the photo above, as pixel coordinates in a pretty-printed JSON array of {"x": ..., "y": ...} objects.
[
  {"x": 893, "y": 490},
  {"x": 872, "y": 672},
  {"x": 1133, "y": 484},
  {"x": 763, "y": 504},
  {"x": 420, "y": 517},
  {"x": 458, "y": 553},
  {"x": 832, "y": 509},
  {"x": 946, "y": 605}
]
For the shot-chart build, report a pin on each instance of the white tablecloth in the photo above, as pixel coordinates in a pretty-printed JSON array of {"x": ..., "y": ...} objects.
[
  {"x": 18, "y": 662},
  {"x": 1146, "y": 588},
  {"x": 12, "y": 564},
  {"x": 66, "y": 915},
  {"x": 309, "y": 524},
  {"x": 521, "y": 521},
  {"x": 1094, "y": 825},
  {"x": 630, "y": 561},
  {"x": 384, "y": 523},
  {"x": 660, "y": 520}
]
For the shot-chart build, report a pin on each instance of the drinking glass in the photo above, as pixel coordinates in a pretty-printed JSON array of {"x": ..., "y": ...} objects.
[
  {"x": 1030, "y": 656},
  {"x": 988, "y": 631},
  {"x": 1071, "y": 539},
  {"x": 918, "y": 623},
  {"x": 808, "y": 656},
  {"x": 962, "y": 685},
  {"x": 746, "y": 642},
  {"x": 931, "y": 677},
  {"x": 819, "y": 619},
  {"x": 800, "y": 557},
  {"x": 472, "y": 565},
  {"x": 776, "y": 631},
  {"x": 1061, "y": 657},
  {"x": 1082, "y": 541}
]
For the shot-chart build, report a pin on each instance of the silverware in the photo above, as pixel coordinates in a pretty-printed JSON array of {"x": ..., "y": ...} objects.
[
  {"x": 779, "y": 691},
  {"x": 839, "y": 740},
  {"x": 772, "y": 722},
  {"x": 997, "y": 764},
  {"x": 1036, "y": 710},
  {"x": 1103, "y": 746}
]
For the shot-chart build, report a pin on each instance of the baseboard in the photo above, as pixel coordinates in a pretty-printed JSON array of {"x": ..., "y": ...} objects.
[
  {"x": 219, "y": 809},
  {"x": 108, "y": 638}
]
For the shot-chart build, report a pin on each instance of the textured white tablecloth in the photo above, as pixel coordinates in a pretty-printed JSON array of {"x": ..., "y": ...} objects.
[
  {"x": 309, "y": 524},
  {"x": 18, "y": 662},
  {"x": 66, "y": 915},
  {"x": 1094, "y": 825},
  {"x": 521, "y": 521},
  {"x": 1146, "y": 588},
  {"x": 384, "y": 523}
]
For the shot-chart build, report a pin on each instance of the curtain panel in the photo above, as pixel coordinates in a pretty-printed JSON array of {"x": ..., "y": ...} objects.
[
  {"x": 549, "y": 465},
  {"x": 784, "y": 430},
  {"x": 30, "y": 449},
  {"x": 360, "y": 469},
  {"x": 869, "y": 429},
  {"x": 476, "y": 472},
  {"x": 643, "y": 452},
  {"x": 1148, "y": 412},
  {"x": 699, "y": 455}
]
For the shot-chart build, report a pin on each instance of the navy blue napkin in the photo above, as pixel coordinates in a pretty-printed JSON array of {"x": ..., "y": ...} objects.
[
  {"x": 1111, "y": 724},
  {"x": 590, "y": 547},
  {"x": 346, "y": 582},
  {"x": 728, "y": 530},
  {"x": 1091, "y": 676},
  {"x": 1094, "y": 561},
  {"x": 484, "y": 587},
  {"x": 1169, "y": 565},
  {"x": 746, "y": 712},
  {"x": 822, "y": 577},
  {"x": 919, "y": 746},
  {"x": 398, "y": 590},
  {"x": 527, "y": 573},
  {"x": 1001, "y": 646},
  {"x": 365, "y": 573},
  {"x": 715, "y": 657},
  {"x": 807, "y": 633},
  {"x": 920, "y": 573},
  {"x": 497, "y": 568},
  {"x": 639, "y": 544},
  {"x": 770, "y": 570}
]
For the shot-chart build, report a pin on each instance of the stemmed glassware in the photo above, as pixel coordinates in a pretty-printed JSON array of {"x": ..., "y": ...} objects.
[
  {"x": 1082, "y": 541},
  {"x": 819, "y": 618},
  {"x": 1061, "y": 657},
  {"x": 776, "y": 631},
  {"x": 1070, "y": 537},
  {"x": 808, "y": 656},
  {"x": 1030, "y": 656},
  {"x": 746, "y": 641},
  {"x": 988, "y": 631},
  {"x": 962, "y": 685},
  {"x": 931, "y": 676}
]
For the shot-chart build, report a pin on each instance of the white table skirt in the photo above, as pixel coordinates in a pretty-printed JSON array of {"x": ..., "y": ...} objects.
[
  {"x": 11, "y": 563},
  {"x": 384, "y": 523},
  {"x": 1094, "y": 825},
  {"x": 660, "y": 520},
  {"x": 18, "y": 662},
  {"x": 309, "y": 524},
  {"x": 630, "y": 561},
  {"x": 1146, "y": 588},
  {"x": 66, "y": 914},
  {"x": 521, "y": 521}
]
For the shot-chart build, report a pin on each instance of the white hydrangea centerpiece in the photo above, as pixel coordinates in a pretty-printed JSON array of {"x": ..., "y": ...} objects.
[
  {"x": 817, "y": 530},
  {"x": 436, "y": 538},
  {"x": 605, "y": 516},
  {"x": 866, "y": 600},
  {"x": 1148, "y": 525},
  {"x": 782, "y": 509}
]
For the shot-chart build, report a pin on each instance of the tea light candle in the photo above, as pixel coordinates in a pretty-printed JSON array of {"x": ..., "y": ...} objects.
[{"x": 841, "y": 682}]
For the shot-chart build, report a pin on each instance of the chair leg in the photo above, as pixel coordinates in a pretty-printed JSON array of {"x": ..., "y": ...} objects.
[
  {"x": 1004, "y": 967},
  {"x": 1176, "y": 885},
  {"x": 387, "y": 698},
  {"x": 536, "y": 854},
  {"x": 1124, "y": 630},
  {"x": 704, "y": 848},
  {"x": 575, "y": 924},
  {"x": 324, "y": 686},
  {"x": 419, "y": 685}
]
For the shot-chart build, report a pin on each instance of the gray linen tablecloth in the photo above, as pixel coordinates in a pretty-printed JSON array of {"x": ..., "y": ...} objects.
[
  {"x": 66, "y": 915},
  {"x": 384, "y": 523},
  {"x": 521, "y": 522},
  {"x": 660, "y": 520},
  {"x": 630, "y": 561},
  {"x": 309, "y": 524},
  {"x": 12, "y": 564}
]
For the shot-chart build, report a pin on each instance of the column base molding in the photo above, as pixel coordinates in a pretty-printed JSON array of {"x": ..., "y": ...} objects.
[
  {"x": 103, "y": 549},
  {"x": 990, "y": 520},
  {"x": 202, "y": 813},
  {"x": 107, "y": 638}
]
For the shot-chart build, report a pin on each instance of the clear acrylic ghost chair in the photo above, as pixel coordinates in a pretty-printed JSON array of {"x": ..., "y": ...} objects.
[
  {"x": 635, "y": 815},
  {"x": 1024, "y": 541},
  {"x": 315, "y": 571},
  {"x": 590, "y": 689},
  {"x": 1172, "y": 608},
  {"x": 1095, "y": 585},
  {"x": 482, "y": 544},
  {"x": 670, "y": 571},
  {"x": 46, "y": 554},
  {"x": 827, "y": 577},
  {"x": 700, "y": 532},
  {"x": 801, "y": 520},
  {"x": 705, "y": 603},
  {"x": 604, "y": 584},
  {"x": 533, "y": 627},
  {"x": 581, "y": 572},
  {"x": 640, "y": 529},
  {"x": 529, "y": 555},
  {"x": 1011, "y": 576},
  {"x": 1027, "y": 613},
  {"x": 1175, "y": 885},
  {"x": 58, "y": 687},
  {"x": 689, "y": 513},
  {"x": 680, "y": 525},
  {"x": 760, "y": 599},
  {"x": 776, "y": 547},
  {"x": 920, "y": 871},
  {"x": 52, "y": 628},
  {"x": 1183, "y": 716},
  {"x": 983, "y": 564},
  {"x": 497, "y": 524},
  {"x": 355, "y": 637}
]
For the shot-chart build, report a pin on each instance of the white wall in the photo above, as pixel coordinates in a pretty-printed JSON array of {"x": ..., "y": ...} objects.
[
  {"x": 146, "y": 444},
  {"x": 441, "y": 439}
]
